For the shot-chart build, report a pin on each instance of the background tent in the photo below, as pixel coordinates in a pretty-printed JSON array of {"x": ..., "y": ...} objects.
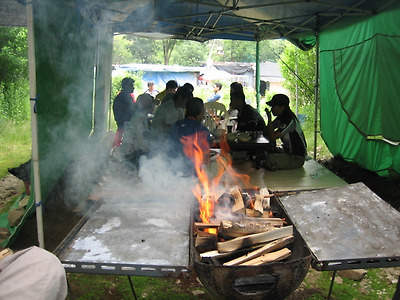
[{"x": 360, "y": 101}]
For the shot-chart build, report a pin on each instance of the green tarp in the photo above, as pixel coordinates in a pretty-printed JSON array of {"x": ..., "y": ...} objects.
[{"x": 360, "y": 88}]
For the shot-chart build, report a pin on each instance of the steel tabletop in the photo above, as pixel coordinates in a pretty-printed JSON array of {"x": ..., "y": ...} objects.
[
  {"x": 148, "y": 236},
  {"x": 346, "y": 227}
]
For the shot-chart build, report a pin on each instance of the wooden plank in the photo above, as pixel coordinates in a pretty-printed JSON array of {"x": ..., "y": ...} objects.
[
  {"x": 258, "y": 238},
  {"x": 272, "y": 246},
  {"x": 269, "y": 257}
]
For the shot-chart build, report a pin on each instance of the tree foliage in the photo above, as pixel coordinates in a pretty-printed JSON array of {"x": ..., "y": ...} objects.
[
  {"x": 245, "y": 51},
  {"x": 129, "y": 49},
  {"x": 14, "y": 87},
  {"x": 189, "y": 53},
  {"x": 295, "y": 61}
]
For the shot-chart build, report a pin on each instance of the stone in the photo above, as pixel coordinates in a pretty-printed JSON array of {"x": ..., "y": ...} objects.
[
  {"x": 15, "y": 215},
  {"x": 356, "y": 274}
]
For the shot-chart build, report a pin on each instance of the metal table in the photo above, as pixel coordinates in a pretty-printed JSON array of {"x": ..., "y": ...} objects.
[
  {"x": 346, "y": 227},
  {"x": 257, "y": 142},
  {"x": 146, "y": 236}
]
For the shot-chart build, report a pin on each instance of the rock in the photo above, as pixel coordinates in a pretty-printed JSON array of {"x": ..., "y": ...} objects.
[
  {"x": 24, "y": 201},
  {"x": 356, "y": 274},
  {"x": 338, "y": 280},
  {"x": 15, "y": 215},
  {"x": 4, "y": 234},
  {"x": 197, "y": 293}
]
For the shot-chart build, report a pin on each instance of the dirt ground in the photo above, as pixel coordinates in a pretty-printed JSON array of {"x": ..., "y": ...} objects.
[{"x": 56, "y": 228}]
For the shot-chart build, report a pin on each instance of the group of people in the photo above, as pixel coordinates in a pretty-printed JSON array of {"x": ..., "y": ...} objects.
[{"x": 176, "y": 115}]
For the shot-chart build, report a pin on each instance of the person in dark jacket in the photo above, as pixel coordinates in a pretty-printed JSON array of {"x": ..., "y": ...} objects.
[
  {"x": 286, "y": 127},
  {"x": 248, "y": 118},
  {"x": 189, "y": 134},
  {"x": 123, "y": 108}
]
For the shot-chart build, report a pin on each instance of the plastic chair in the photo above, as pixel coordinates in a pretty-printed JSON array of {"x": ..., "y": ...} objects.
[{"x": 215, "y": 116}]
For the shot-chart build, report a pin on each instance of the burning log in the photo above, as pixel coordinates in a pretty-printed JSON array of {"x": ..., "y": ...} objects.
[
  {"x": 205, "y": 241},
  {"x": 258, "y": 206},
  {"x": 243, "y": 227},
  {"x": 200, "y": 225},
  {"x": 253, "y": 239},
  {"x": 238, "y": 206},
  {"x": 269, "y": 257},
  {"x": 272, "y": 246},
  {"x": 276, "y": 222},
  {"x": 265, "y": 195}
]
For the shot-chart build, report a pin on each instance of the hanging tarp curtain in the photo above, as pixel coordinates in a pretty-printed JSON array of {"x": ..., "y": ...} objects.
[
  {"x": 359, "y": 88},
  {"x": 65, "y": 58}
]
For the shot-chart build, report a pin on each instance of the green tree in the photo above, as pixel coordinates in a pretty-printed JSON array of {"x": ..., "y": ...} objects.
[
  {"x": 14, "y": 86},
  {"x": 295, "y": 61},
  {"x": 168, "y": 47},
  {"x": 121, "y": 50},
  {"x": 145, "y": 51},
  {"x": 189, "y": 53},
  {"x": 245, "y": 51}
]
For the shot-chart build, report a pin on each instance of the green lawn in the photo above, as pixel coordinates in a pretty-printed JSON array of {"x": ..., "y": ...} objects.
[{"x": 15, "y": 144}]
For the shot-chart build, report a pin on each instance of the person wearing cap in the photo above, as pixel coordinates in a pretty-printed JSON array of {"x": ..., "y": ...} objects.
[
  {"x": 286, "y": 127},
  {"x": 151, "y": 89},
  {"x": 248, "y": 118},
  {"x": 167, "y": 94},
  {"x": 123, "y": 108}
]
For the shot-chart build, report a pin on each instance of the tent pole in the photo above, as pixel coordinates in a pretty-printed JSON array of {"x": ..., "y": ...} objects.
[
  {"x": 258, "y": 74},
  {"x": 35, "y": 146},
  {"x": 316, "y": 112}
]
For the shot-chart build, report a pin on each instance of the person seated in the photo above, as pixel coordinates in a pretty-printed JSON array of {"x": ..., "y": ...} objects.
[
  {"x": 248, "y": 118},
  {"x": 217, "y": 94},
  {"x": 31, "y": 273},
  {"x": 287, "y": 128},
  {"x": 190, "y": 131},
  {"x": 167, "y": 113},
  {"x": 168, "y": 93}
]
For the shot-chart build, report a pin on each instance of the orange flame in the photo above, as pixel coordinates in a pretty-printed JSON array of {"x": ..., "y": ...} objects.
[{"x": 196, "y": 148}]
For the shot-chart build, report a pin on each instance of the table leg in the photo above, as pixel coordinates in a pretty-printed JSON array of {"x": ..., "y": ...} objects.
[{"x": 332, "y": 281}]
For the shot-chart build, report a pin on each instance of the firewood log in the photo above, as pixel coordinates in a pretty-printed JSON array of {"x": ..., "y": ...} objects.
[
  {"x": 253, "y": 239},
  {"x": 258, "y": 206},
  {"x": 236, "y": 228},
  {"x": 238, "y": 206},
  {"x": 272, "y": 246},
  {"x": 205, "y": 241},
  {"x": 264, "y": 193},
  {"x": 269, "y": 257}
]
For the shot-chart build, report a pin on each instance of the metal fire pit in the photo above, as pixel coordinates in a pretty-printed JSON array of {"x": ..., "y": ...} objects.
[{"x": 275, "y": 280}]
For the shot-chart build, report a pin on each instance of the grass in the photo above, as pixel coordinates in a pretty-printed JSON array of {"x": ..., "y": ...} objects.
[
  {"x": 86, "y": 287},
  {"x": 15, "y": 144}
]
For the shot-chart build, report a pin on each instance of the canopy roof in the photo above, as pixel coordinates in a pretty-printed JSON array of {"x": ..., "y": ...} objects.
[
  {"x": 222, "y": 19},
  {"x": 232, "y": 19}
]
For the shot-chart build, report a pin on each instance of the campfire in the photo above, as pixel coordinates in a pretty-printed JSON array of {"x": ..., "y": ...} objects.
[{"x": 234, "y": 225}]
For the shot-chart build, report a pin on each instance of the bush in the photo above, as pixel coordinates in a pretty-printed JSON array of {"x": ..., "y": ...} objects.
[{"x": 14, "y": 100}]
